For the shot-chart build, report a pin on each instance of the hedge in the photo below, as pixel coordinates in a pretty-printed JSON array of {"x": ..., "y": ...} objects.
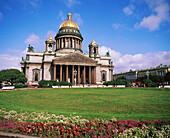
[
  {"x": 45, "y": 83},
  {"x": 19, "y": 85},
  {"x": 118, "y": 82}
]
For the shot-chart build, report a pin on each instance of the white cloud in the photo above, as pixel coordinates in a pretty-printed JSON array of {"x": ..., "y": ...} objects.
[
  {"x": 8, "y": 61},
  {"x": 34, "y": 40},
  {"x": 52, "y": 33},
  {"x": 129, "y": 9},
  {"x": 160, "y": 12},
  {"x": 126, "y": 62},
  {"x": 77, "y": 18},
  {"x": 32, "y": 3},
  {"x": 117, "y": 26},
  {"x": 1, "y": 15},
  {"x": 71, "y": 3},
  {"x": 13, "y": 59},
  {"x": 61, "y": 16}
]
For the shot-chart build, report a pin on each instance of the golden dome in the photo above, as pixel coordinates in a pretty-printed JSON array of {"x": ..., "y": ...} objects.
[
  {"x": 50, "y": 38},
  {"x": 94, "y": 42},
  {"x": 69, "y": 22}
]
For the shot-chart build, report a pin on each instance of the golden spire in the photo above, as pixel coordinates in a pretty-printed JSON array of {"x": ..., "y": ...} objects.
[
  {"x": 69, "y": 16},
  {"x": 93, "y": 42},
  {"x": 50, "y": 38}
]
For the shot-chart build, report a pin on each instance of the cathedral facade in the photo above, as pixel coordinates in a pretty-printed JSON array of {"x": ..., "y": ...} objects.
[{"x": 64, "y": 60}]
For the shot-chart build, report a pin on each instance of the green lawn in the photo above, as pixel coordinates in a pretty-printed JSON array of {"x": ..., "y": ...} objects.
[{"x": 122, "y": 103}]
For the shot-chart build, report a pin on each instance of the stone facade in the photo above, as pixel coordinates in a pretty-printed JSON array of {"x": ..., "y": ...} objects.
[
  {"x": 133, "y": 75},
  {"x": 64, "y": 60}
]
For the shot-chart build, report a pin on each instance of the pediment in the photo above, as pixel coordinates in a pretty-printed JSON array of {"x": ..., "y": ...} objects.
[{"x": 75, "y": 59}]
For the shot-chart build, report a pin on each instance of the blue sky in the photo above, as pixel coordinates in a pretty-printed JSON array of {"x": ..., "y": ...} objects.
[{"x": 137, "y": 33}]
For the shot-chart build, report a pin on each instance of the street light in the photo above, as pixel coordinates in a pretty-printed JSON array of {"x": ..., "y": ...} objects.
[
  {"x": 75, "y": 74},
  {"x": 147, "y": 74}
]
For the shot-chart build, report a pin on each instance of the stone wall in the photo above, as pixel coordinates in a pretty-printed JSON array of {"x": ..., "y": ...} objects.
[
  {"x": 30, "y": 72},
  {"x": 47, "y": 69},
  {"x": 35, "y": 59}
]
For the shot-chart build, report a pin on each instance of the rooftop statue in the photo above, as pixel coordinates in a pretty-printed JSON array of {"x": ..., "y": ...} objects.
[{"x": 30, "y": 48}]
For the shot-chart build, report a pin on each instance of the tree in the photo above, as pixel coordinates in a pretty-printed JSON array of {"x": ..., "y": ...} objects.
[
  {"x": 149, "y": 83},
  {"x": 12, "y": 76},
  {"x": 141, "y": 78},
  {"x": 167, "y": 77},
  {"x": 157, "y": 79}
]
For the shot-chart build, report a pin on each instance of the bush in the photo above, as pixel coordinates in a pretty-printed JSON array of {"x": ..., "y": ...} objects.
[
  {"x": 45, "y": 83},
  {"x": 118, "y": 82},
  {"x": 19, "y": 85},
  {"x": 149, "y": 83},
  {"x": 63, "y": 83}
]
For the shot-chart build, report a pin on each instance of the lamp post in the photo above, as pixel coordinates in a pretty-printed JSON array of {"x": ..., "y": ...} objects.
[
  {"x": 75, "y": 74},
  {"x": 147, "y": 74}
]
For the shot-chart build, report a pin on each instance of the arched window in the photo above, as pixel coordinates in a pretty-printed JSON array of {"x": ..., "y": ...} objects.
[
  {"x": 36, "y": 76},
  {"x": 103, "y": 77},
  {"x": 94, "y": 50},
  {"x": 50, "y": 47}
]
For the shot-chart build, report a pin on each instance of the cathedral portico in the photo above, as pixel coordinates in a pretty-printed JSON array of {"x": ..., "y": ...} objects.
[{"x": 85, "y": 74}]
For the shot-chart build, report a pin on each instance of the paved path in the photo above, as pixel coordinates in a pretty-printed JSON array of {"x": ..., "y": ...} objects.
[{"x": 12, "y": 135}]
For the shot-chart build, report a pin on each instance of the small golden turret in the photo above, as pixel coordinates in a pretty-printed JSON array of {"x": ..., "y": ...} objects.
[{"x": 50, "y": 38}]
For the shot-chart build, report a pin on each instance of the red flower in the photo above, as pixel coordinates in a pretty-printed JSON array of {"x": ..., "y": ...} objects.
[
  {"x": 58, "y": 132},
  {"x": 75, "y": 133}
]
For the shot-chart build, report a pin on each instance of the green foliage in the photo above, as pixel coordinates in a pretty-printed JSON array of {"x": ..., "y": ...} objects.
[
  {"x": 157, "y": 79},
  {"x": 12, "y": 76},
  {"x": 118, "y": 81},
  {"x": 141, "y": 78},
  {"x": 64, "y": 83},
  {"x": 122, "y": 82},
  {"x": 154, "y": 78},
  {"x": 167, "y": 77},
  {"x": 44, "y": 83},
  {"x": 19, "y": 85},
  {"x": 149, "y": 83}
]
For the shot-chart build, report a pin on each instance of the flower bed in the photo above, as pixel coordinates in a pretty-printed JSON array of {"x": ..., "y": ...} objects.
[{"x": 96, "y": 128}]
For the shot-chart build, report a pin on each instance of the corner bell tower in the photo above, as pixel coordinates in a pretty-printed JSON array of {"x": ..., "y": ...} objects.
[
  {"x": 93, "y": 49},
  {"x": 50, "y": 44}
]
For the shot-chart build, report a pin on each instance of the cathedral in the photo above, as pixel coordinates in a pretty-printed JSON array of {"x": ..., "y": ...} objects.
[{"x": 64, "y": 60}]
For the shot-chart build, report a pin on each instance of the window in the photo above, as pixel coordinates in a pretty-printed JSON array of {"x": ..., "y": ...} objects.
[
  {"x": 36, "y": 76},
  {"x": 50, "y": 47},
  {"x": 103, "y": 77},
  {"x": 94, "y": 50}
]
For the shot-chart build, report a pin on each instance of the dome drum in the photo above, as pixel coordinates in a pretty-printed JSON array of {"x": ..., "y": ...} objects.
[
  {"x": 69, "y": 31},
  {"x": 65, "y": 34}
]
